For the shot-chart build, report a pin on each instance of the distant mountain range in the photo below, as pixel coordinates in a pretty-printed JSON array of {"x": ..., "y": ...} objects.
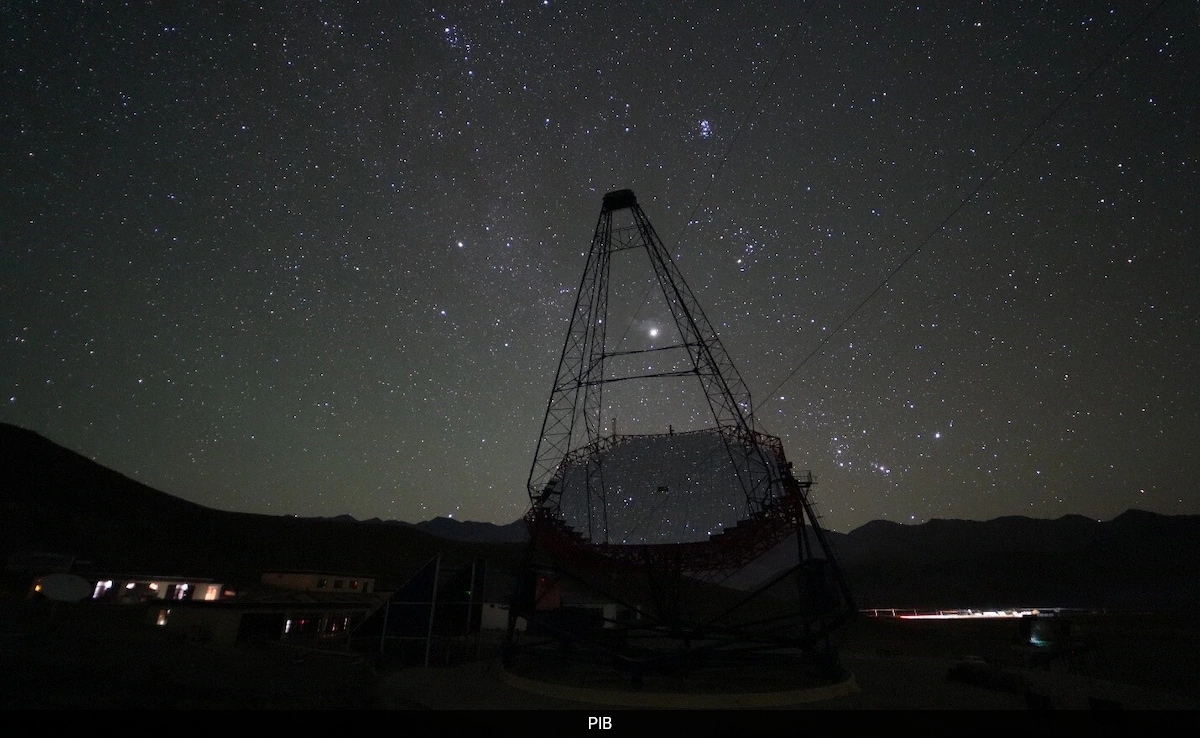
[{"x": 55, "y": 501}]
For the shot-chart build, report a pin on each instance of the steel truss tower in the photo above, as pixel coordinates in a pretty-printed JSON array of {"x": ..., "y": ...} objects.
[{"x": 635, "y": 539}]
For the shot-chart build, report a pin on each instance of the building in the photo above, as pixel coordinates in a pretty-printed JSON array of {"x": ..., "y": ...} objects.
[{"x": 307, "y": 581}]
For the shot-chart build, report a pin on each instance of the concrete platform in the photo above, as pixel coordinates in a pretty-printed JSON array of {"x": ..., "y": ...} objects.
[
  {"x": 874, "y": 682},
  {"x": 889, "y": 665}
]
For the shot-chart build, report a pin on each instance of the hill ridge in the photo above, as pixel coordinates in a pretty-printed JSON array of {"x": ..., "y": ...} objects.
[{"x": 56, "y": 500}]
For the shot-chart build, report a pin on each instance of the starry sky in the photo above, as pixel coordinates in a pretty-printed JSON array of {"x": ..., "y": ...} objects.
[{"x": 319, "y": 258}]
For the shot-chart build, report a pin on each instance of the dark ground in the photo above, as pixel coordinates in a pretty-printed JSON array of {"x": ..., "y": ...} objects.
[{"x": 61, "y": 656}]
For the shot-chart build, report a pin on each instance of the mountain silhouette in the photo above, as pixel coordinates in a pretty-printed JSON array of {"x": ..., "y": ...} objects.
[{"x": 56, "y": 501}]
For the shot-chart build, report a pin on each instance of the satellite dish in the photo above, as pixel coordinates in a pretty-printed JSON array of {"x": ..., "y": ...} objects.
[{"x": 64, "y": 587}]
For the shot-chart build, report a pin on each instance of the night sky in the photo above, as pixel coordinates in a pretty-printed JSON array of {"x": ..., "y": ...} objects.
[{"x": 319, "y": 258}]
